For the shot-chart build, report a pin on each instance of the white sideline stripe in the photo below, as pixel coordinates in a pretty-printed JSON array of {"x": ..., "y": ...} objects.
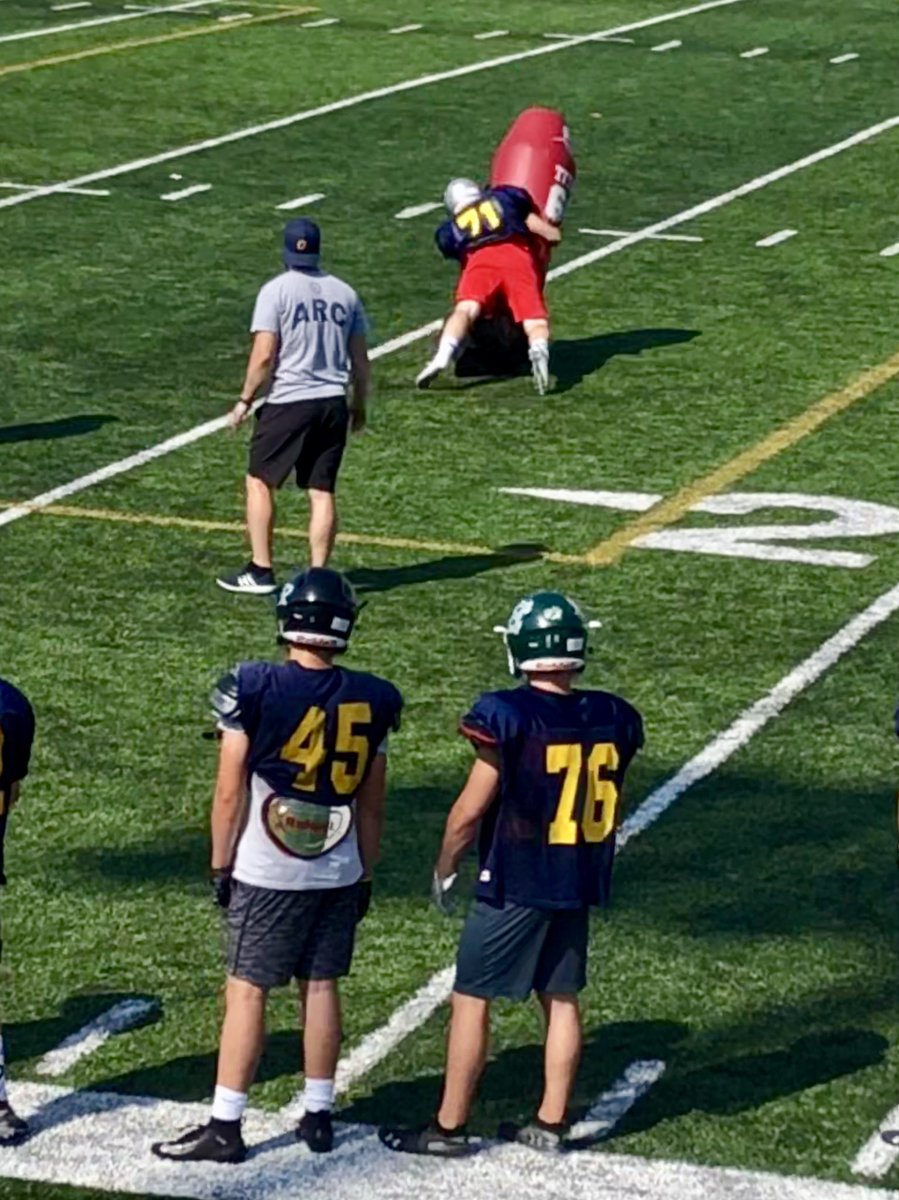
[
  {"x": 775, "y": 239},
  {"x": 26, "y": 187},
  {"x": 876, "y": 1156},
  {"x": 188, "y": 191},
  {"x": 605, "y": 1113},
  {"x": 843, "y": 58},
  {"x": 100, "y": 1140},
  {"x": 662, "y": 46},
  {"x": 890, "y": 251},
  {"x": 417, "y": 210},
  {"x": 423, "y": 331},
  {"x": 354, "y": 100},
  {"x": 320, "y": 24},
  {"x": 128, "y": 16},
  {"x": 302, "y": 201},
  {"x": 756, "y": 53},
  {"x": 662, "y": 237},
  {"x": 757, "y": 715},
  {"x": 405, "y": 28},
  {"x": 491, "y": 33},
  {"x": 90, "y": 1037}
]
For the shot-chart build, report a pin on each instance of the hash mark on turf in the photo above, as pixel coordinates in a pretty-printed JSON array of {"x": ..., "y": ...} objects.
[
  {"x": 71, "y": 4},
  {"x": 320, "y": 24},
  {"x": 490, "y": 33},
  {"x": 405, "y": 28},
  {"x": 890, "y": 251},
  {"x": 302, "y": 201},
  {"x": 238, "y": 16},
  {"x": 118, "y": 1019},
  {"x": 662, "y": 46},
  {"x": 843, "y": 58},
  {"x": 756, "y": 53},
  {"x": 185, "y": 192},
  {"x": 417, "y": 210},
  {"x": 186, "y": 6},
  {"x": 774, "y": 239}
]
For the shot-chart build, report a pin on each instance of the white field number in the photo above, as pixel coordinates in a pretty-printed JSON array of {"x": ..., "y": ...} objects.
[{"x": 769, "y": 542}]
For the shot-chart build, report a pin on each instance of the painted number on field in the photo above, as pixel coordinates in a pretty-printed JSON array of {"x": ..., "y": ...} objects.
[{"x": 844, "y": 519}]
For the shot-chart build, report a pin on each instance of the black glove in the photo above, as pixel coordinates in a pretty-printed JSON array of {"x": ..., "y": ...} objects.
[
  {"x": 363, "y": 898},
  {"x": 221, "y": 885}
]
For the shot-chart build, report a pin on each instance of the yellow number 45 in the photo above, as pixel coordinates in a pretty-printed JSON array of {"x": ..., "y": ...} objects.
[
  {"x": 601, "y": 803},
  {"x": 308, "y": 751}
]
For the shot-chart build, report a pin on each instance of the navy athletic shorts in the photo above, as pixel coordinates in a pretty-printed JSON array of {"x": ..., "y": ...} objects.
[{"x": 509, "y": 951}]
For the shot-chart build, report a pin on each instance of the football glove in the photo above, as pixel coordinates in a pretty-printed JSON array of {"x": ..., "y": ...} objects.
[
  {"x": 363, "y": 898},
  {"x": 221, "y": 886},
  {"x": 441, "y": 893}
]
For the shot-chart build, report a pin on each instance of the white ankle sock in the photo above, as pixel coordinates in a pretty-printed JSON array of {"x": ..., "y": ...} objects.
[
  {"x": 446, "y": 351},
  {"x": 3, "y": 1096},
  {"x": 228, "y": 1105},
  {"x": 319, "y": 1095}
]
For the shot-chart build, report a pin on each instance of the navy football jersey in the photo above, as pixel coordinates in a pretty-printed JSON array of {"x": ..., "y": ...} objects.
[
  {"x": 548, "y": 840},
  {"x": 500, "y": 214},
  {"x": 314, "y": 733},
  {"x": 16, "y": 738}
]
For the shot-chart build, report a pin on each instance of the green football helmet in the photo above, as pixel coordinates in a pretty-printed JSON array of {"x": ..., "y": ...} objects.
[{"x": 546, "y": 631}]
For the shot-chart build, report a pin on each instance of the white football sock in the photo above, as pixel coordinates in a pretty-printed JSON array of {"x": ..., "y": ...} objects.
[
  {"x": 3, "y": 1096},
  {"x": 228, "y": 1105},
  {"x": 319, "y": 1095},
  {"x": 539, "y": 349},
  {"x": 446, "y": 351}
]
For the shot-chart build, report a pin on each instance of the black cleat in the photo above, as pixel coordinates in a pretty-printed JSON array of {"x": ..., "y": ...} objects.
[
  {"x": 537, "y": 1134},
  {"x": 428, "y": 1139},
  {"x": 316, "y": 1130},
  {"x": 206, "y": 1143},
  {"x": 13, "y": 1130},
  {"x": 250, "y": 580}
]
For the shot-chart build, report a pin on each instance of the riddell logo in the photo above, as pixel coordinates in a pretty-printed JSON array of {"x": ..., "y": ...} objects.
[{"x": 298, "y": 825}]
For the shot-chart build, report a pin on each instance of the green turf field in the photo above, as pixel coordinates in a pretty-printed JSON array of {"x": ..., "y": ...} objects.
[{"x": 752, "y": 946}]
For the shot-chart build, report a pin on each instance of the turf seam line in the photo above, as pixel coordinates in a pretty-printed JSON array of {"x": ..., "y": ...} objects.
[{"x": 359, "y": 98}]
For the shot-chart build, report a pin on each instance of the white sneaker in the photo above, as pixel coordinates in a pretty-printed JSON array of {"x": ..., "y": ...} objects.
[
  {"x": 426, "y": 377},
  {"x": 540, "y": 370}
]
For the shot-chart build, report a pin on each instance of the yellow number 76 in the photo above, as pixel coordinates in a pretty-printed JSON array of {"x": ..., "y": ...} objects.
[
  {"x": 473, "y": 219},
  {"x": 601, "y": 803}
]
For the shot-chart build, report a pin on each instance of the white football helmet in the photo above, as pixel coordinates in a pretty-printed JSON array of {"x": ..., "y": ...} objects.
[{"x": 459, "y": 194}]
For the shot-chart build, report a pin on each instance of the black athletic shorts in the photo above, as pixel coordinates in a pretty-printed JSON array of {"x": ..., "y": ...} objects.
[
  {"x": 275, "y": 936},
  {"x": 305, "y": 436},
  {"x": 509, "y": 950}
]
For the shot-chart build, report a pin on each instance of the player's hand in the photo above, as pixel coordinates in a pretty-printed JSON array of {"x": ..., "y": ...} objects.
[
  {"x": 358, "y": 418},
  {"x": 441, "y": 893},
  {"x": 363, "y": 899},
  {"x": 220, "y": 879},
  {"x": 239, "y": 413}
]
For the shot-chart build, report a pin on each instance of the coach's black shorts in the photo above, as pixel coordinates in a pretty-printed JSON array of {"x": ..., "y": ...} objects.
[
  {"x": 306, "y": 436},
  {"x": 509, "y": 950},
  {"x": 275, "y": 936}
]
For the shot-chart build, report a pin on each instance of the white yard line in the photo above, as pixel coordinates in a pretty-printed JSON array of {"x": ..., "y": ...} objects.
[
  {"x": 756, "y": 53},
  {"x": 321, "y": 23},
  {"x": 890, "y": 251},
  {"x": 405, "y": 28},
  {"x": 406, "y": 339},
  {"x": 356, "y": 99},
  {"x": 606, "y": 1112},
  {"x": 26, "y": 187},
  {"x": 663, "y": 46},
  {"x": 661, "y": 237},
  {"x": 417, "y": 210},
  {"x": 491, "y": 33},
  {"x": 93, "y": 21},
  {"x": 843, "y": 58},
  {"x": 877, "y": 1156},
  {"x": 121, "y": 1017},
  {"x": 193, "y": 190},
  {"x": 774, "y": 239},
  {"x": 302, "y": 201}
]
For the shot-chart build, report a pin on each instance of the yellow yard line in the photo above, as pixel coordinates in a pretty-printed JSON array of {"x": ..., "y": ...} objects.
[
  {"x": 156, "y": 40},
  {"x": 163, "y": 521},
  {"x": 672, "y": 508}
]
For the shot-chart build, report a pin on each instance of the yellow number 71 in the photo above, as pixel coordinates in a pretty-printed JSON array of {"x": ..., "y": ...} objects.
[
  {"x": 473, "y": 219},
  {"x": 601, "y": 803}
]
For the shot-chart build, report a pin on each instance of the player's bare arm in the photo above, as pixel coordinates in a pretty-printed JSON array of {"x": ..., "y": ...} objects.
[
  {"x": 465, "y": 816},
  {"x": 370, "y": 809},
  {"x": 229, "y": 801},
  {"x": 361, "y": 368},
  {"x": 261, "y": 364},
  {"x": 544, "y": 229}
]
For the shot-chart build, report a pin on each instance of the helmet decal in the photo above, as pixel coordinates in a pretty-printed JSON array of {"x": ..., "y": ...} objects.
[{"x": 522, "y": 609}]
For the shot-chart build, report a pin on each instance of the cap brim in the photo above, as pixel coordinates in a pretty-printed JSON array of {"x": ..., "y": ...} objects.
[{"x": 293, "y": 259}]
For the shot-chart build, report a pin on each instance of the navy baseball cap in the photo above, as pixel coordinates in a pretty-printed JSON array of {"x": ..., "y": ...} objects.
[{"x": 302, "y": 243}]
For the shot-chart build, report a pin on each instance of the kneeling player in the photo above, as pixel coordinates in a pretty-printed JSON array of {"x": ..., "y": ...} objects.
[
  {"x": 296, "y": 832},
  {"x": 545, "y": 792},
  {"x": 16, "y": 738},
  {"x": 491, "y": 233}
]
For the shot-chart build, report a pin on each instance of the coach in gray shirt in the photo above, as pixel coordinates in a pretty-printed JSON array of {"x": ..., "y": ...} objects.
[{"x": 308, "y": 348}]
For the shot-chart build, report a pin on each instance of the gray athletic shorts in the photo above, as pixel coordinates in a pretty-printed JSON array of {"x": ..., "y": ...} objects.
[
  {"x": 275, "y": 936},
  {"x": 509, "y": 951}
]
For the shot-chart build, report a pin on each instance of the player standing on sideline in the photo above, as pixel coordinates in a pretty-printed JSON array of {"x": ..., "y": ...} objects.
[
  {"x": 491, "y": 233},
  {"x": 296, "y": 833},
  {"x": 309, "y": 341},
  {"x": 545, "y": 791},
  {"x": 16, "y": 739}
]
